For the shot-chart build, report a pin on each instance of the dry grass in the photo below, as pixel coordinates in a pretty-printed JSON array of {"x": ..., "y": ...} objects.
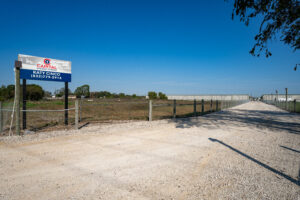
[{"x": 103, "y": 111}]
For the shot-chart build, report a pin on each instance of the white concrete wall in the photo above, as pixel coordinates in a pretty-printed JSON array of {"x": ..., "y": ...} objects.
[
  {"x": 281, "y": 97},
  {"x": 209, "y": 97}
]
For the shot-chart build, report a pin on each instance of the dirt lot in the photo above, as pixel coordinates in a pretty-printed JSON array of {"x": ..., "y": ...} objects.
[
  {"x": 251, "y": 151},
  {"x": 108, "y": 110}
]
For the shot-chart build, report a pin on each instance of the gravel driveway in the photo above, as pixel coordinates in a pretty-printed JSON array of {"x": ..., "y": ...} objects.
[{"x": 251, "y": 151}]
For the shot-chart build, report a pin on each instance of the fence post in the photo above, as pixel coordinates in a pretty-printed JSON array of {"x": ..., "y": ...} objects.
[
  {"x": 150, "y": 110},
  {"x": 210, "y": 105},
  {"x": 80, "y": 109},
  {"x": 1, "y": 118},
  {"x": 295, "y": 103},
  {"x": 217, "y": 106},
  {"x": 18, "y": 65},
  {"x": 202, "y": 106},
  {"x": 76, "y": 113},
  {"x": 174, "y": 108},
  {"x": 195, "y": 108},
  {"x": 286, "y": 98},
  {"x": 66, "y": 102}
]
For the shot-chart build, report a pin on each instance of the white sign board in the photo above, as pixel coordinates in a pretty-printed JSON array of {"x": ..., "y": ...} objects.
[{"x": 38, "y": 68}]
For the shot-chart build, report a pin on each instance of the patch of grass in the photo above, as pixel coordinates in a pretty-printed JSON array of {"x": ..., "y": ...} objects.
[{"x": 107, "y": 110}]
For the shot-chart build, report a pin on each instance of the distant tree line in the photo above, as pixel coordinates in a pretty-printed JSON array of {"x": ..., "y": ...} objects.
[
  {"x": 33, "y": 92},
  {"x": 61, "y": 92},
  {"x": 153, "y": 95},
  {"x": 84, "y": 91},
  {"x": 106, "y": 94}
]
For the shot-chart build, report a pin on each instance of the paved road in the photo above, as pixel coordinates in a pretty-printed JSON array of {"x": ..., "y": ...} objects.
[{"x": 249, "y": 152}]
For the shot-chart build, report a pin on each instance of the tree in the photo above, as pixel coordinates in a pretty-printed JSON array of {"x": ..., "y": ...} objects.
[
  {"x": 104, "y": 94},
  {"x": 122, "y": 95},
  {"x": 34, "y": 92},
  {"x": 61, "y": 92},
  {"x": 10, "y": 91},
  {"x": 47, "y": 94},
  {"x": 115, "y": 95},
  {"x": 152, "y": 95},
  {"x": 3, "y": 93},
  {"x": 162, "y": 96},
  {"x": 83, "y": 90},
  {"x": 279, "y": 16}
]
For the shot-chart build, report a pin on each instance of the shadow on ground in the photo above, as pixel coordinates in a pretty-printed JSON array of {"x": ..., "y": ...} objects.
[
  {"x": 274, "y": 120},
  {"x": 297, "y": 182}
]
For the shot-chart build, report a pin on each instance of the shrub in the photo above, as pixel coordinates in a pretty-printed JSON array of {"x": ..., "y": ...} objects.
[
  {"x": 162, "y": 96},
  {"x": 152, "y": 95}
]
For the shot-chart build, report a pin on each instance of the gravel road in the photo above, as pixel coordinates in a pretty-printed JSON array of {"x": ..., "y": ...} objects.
[{"x": 251, "y": 151}]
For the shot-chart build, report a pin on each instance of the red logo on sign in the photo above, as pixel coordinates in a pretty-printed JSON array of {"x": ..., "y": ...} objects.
[
  {"x": 47, "y": 61},
  {"x": 46, "y": 65}
]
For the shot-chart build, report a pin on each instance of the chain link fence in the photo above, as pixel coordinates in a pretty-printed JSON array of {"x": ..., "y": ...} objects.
[{"x": 50, "y": 115}]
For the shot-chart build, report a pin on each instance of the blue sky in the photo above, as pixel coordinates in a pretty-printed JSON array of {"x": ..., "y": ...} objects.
[{"x": 177, "y": 47}]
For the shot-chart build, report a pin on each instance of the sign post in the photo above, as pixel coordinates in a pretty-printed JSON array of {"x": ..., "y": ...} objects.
[
  {"x": 46, "y": 69},
  {"x": 24, "y": 104},
  {"x": 66, "y": 102}
]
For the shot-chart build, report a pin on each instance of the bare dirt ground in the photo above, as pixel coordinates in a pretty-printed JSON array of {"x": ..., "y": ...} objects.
[{"x": 251, "y": 151}]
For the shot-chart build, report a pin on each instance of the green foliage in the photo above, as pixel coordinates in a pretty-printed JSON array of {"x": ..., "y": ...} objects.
[
  {"x": 11, "y": 91},
  {"x": 106, "y": 94},
  {"x": 83, "y": 90},
  {"x": 4, "y": 95},
  {"x": 101, "y": 94},
  {"x": 121, "y": 95},
  {"x": 61, "y": 92},
  {"x": 152, "y": 95},
  {"x": 47, "y": 94},
  {"x": 33, "y": 92},
  {"x": 162, "y": 96},
  {"x": 115, "y": 95},
  {"x": 277, "y": 17}
]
